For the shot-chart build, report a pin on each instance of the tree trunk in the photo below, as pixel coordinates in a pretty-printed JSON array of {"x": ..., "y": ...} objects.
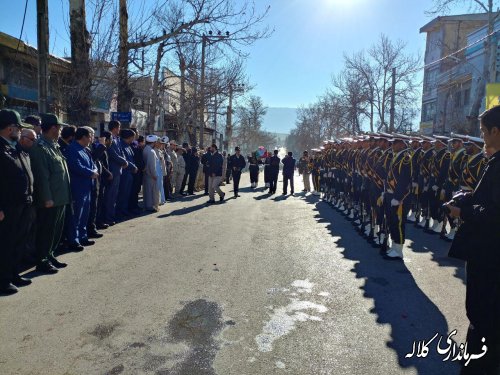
[
  {"x": 182, "y": 99},
  {"x": 80, "y": 103},
  {"x": 153, "y": 109},
  {"x": 124, "y": 92}
]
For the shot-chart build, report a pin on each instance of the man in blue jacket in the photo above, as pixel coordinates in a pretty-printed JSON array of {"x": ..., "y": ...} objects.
[
  {"x": 215, "y": 175},
  {"x": 83, "y": 173},
  {"x": 117, "y": 162}
]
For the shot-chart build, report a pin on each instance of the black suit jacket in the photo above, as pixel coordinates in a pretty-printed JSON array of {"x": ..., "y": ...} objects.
[{"x": 16, "y": 183}]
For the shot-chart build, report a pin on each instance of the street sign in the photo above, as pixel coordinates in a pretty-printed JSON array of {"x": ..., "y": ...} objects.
[{"x": 121, "y": 116}]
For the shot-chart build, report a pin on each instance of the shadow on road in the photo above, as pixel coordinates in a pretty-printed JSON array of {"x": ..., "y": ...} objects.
[
  {"x": 398, "y": 301},
  {"x": 184, "y": 211}
]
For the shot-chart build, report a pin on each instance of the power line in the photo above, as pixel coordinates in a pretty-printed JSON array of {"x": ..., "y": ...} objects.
[
  {"x": 22, "y": 29},
  {"x": 454, "y": 53}
]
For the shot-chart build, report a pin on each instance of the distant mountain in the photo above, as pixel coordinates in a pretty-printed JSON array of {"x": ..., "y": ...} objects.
[{"x": 280, "y": 120}]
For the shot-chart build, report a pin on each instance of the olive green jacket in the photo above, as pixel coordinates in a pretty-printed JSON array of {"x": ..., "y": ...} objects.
[{"x": 50, "y": 172}]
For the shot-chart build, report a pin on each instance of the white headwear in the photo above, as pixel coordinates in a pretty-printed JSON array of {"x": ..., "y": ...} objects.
[
  {"x": 164, "y": 139},
  {"x": 152, "y": 138}
]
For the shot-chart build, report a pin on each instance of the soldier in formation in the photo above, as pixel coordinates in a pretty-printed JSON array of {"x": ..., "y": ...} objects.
[{"x": 382, "y": 181}]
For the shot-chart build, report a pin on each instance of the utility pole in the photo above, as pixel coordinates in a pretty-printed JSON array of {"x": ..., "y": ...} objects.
[
  {"x": 229, "y": 120},
  {"x": 42, "y": 12},
  {"x": 202, "y": 91},
  {"x": 393, "y": 101},
  {"x": 204, "y": 40}
]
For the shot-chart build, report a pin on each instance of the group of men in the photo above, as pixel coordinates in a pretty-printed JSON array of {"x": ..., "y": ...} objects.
[
  {"x": 379, "y": 181},
  {"x": 59, "y": 186}
]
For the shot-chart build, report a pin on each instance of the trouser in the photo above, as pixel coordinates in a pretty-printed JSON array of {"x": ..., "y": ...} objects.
[
  {"x": 214, "y": 186},
  {"x": 273, "y": 181},
  {"x": 123, "y": 198},
  {"x": 184, "y": 182},
  {"x": 287, "y": 178},
  {"x": 254, "y": 173},
  {"x": 206, "y": 181},
  {"x": 14, "y": 230},
  {"x": 179, "y": 177},
  {"x": 397, "y": 220},
  {"x": 111, "y": 197},
  {"x": 489, "y": 364},
  {"x": 236, "y": 181},
  {"x": 267, "y": 175},
  {"x": 315, "y": 178},
  {"x": 50, "y": 223},
  {"x": 135, "y": 190},
  {"x": 169, "y": 187},
  {"x": 94, "y": 197},
  {"x": 101, "y": 203},
  {"x": 192, "y": 180},
  {"x": 307, "y": 182},
  {"x": 77, "y": 223},
  {"x": 228, "y": 175},
  {"x": 435, "y": 205}
]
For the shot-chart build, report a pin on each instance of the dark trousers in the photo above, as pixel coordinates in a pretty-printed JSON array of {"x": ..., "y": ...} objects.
[
  {"x": 111, "y": 197},
  {"x": 273, "y": 181},
  {"x": 287, "y": 178},
  {"x": 50, "y": 223},
  {"x": 136, "y": 189},
  {"x": 206, "y": 181},
  {"x": 123, "y": 198},
  {"x": 315, "y": 179},
  {"x": 397, "y": 219},
  {"x": 184, "y": 181},
  {"x": 14, "y": 231},
  {"x": 489, "y": 364},
  {"x": 236, "y": 181},
  {"x": 228, "y": 175},
  {"x": 254, "y": 173},
  {"x": 94, "y": 197},
  {"x": 101, "y": 203},
  {"x": 77, "y": 223},
  {"x": 192, "y": 180}
]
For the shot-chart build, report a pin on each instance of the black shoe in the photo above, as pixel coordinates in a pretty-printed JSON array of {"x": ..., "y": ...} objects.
[
  {"x": 75, "y": 247},
  {"x": 184, "y": 193},
  {"x": 102, "y": 226},
  {"x": 221, "y": 198},
  {"x": 21, "y": 281},
  {"x": 206, "y": 193},
  {"x": 95, "y": 235},
  {"x": 88, "y": 243},
  {"x": 8, "y": 289},
  {"x": 57, "y": 264},
  {"x": 211, "y": 201},
  {"x": 46, "y": 267}
]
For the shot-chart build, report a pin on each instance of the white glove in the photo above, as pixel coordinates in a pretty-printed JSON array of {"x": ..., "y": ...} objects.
[
  {"x": 414, "y": 185},
  {"x": 346, "y": 180},
  {"x": 434, "y": 187},
  {"x": 443, "y": 192},
  {"x": 426, "y": 188},
  {"x": 394, "y": 202}
]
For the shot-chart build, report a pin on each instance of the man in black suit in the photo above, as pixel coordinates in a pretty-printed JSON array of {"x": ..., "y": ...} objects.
[
  {"x": 476, "y": 242},
  {"x": 205, "y": 158},
  {"x": 16, "y": 189},
  {"x": 237, "y": 162},
  {"x": 274, "y": 170}
]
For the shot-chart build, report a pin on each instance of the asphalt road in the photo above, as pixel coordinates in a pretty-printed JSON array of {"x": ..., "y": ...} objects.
[{"x": 255, "y": 285}]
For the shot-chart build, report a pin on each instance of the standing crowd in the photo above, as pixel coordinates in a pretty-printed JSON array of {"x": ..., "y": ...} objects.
[{"x": 446, "y": 186}]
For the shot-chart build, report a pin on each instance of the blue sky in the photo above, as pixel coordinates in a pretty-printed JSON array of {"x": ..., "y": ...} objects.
[{"x": 295, "y": 65}]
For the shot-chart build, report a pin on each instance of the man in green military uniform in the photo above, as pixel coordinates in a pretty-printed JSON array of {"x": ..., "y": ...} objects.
[{"x": 52, "y": 193}]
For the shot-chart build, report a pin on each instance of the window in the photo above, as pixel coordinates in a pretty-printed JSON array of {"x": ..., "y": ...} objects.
[
  {"x": 428, "y": 111},
  {"x": 466, "y": 96},
  {"x": 457, "y": 99}
]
